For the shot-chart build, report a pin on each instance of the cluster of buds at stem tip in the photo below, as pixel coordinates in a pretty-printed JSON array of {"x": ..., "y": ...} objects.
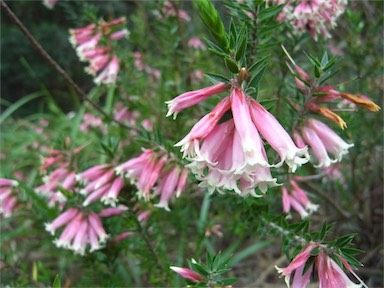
[
  {"x": 89, "y": 45},
  {"x": 316, "y": 95},
  {"x": 230, "y": 154},
  {"x": 329, "y": 273}
]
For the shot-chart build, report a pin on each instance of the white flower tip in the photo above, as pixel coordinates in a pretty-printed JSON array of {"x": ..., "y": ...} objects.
[
  {"x": 163, "y": 205},
  {"x": 48, "y": 227}
]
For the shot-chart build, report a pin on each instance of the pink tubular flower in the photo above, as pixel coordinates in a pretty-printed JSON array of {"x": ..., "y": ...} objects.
[
  {"x": 190, "y": 143},
  {"x": 80, "y": 230},
  {"x": 191, "y": 98},
  {"x": 167, "y": 187},
  {"x": 317, "y": 146},
  {"x": 277, "y": 137},
  {"x": 8, "y": 200},
  {"x": 188, "y": 274},
  {"x": 332, "y": 142},
  {"x": 331, "y": 275},
  {"x": 297, "y": 266},
  {"x": 102, "y": 184},
  {"x": 169, "y": 9},
  {"x": 297, "y": 198},
  {"x": 324, "y": 140}
]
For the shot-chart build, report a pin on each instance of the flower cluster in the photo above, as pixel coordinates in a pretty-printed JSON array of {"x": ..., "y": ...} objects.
[
  {"x": 171, "y": 10},
  {"x": 89, "y": 42},
  {"x": 330, "y": 274},
  {"x": 317, "y": 17},
  {"x": 322, "y": 140},
  {"x": 295, "y": 197},
  {"x": 81, "y": 229},
  {"x": 154, "y": 174},
  {"x": 230, "y": 154},
  {"x": 8, "y": 200}
]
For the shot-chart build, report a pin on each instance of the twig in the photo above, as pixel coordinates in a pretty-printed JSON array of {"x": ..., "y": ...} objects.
[{"x": 57, "y": 67}]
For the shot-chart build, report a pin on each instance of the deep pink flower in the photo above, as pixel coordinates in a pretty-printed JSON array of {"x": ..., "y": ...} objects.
[
  {"x": 101, "y": 183},
  {"x": 191, "y": 98},
  {"x": 80, "y": 230},
  {"x": 188, "y": 274}
]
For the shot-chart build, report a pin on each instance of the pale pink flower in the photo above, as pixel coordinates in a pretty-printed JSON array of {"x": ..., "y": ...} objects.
[
  {"x": 124, "y": 33},
  {"x": 332, "y": 142},
  {"x": 182, "y": 181},
  {"x": 8, "y": 199},
  {"x": 196, "y": 76},
  {"x": 318, "y": 149},
  {"x": 295, "y": 197},
  {"x": 90, "y": 120},
  {"x": 277, "y": 137},
  {"x": 196, "y": 43},
  {"x": 191, "y": 98},
  {"x": 188, "y": 274}
]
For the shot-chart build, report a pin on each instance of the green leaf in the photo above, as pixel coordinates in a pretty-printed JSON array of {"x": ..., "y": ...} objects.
[
  {"x": 229, "y": 281},
  {"x": 231, "y": 65},
  {"x": 351, "y": 251},
  {"x": 255, "y": 80},
  {"x": 255, "y": 247},
  {"x": 324, "y": 59},
  {"x": 216, "y": 78},
  {"x": 315, "y": 251},
  {"x": 12, "y": 108},
  {"x": 212, "y": 47},
  {"x": 56, "y": 282},
  {"x": 258, "y": 64},
  {"x": 270, "y": 12},
  {"x": 240, "y": 50},
  {"x": 308, "y": 264}
]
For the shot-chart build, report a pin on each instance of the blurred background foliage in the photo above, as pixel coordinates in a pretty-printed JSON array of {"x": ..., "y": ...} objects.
[{"x": 28, "y": 256}]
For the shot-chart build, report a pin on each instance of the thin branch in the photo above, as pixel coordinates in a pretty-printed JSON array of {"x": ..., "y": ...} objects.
[{"x": 57, "y": 67}]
